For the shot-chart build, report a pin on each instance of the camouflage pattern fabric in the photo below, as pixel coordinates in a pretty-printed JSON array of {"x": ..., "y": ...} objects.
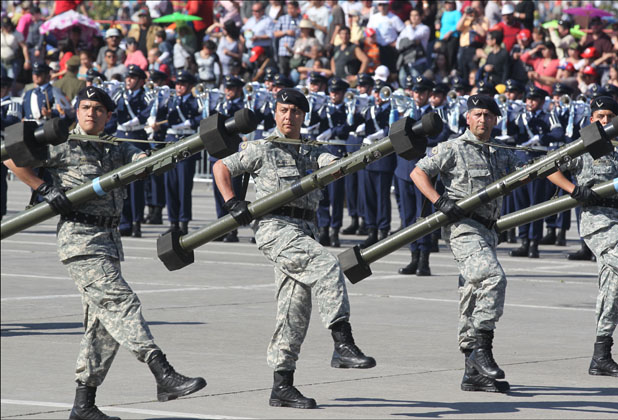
[
  {"x": 73, "y": 163},
  {"x": 301, "y": 264},
  {"x": 112, "y": 317},
  {"x": 599, "y": 229},
  {"x": 465, "y": 168}
]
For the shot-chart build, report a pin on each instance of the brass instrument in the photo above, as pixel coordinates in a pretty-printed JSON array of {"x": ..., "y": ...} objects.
[
  {"x": 386, "y": 93},
  {"x": 502, "y": 99}
]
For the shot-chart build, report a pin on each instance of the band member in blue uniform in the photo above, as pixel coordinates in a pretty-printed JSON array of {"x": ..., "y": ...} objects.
[
  {"x": 183, "y": 119},
  {"x": 132, "y": 111},
  {"x": 334, "y": 129},
  {"x": 11, "y": 114},
  {"x": 536, "y": 129},
  {"x": 44, "y": 101}
]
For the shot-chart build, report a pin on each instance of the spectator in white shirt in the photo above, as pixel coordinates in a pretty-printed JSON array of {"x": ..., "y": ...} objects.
[
  {"x": 387, "y": 26},
  {"x": 319, "y": 15}
]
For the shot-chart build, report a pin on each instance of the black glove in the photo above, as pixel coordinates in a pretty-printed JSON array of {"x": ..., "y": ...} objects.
[
  {"x": 585, "y": 194},
  {"x": 239, "y": 210},
  {"x": 55, "y": 197},
  {"x": 450, "y": 208}
]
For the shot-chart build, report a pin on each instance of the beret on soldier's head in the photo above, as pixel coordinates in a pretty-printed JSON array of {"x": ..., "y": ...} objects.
[
  {"x": 292, "y": 96},
  {"x": 92, "y": 93},
  {"x": 604, "y": 102},
  {"x": 483, "y": 102}
]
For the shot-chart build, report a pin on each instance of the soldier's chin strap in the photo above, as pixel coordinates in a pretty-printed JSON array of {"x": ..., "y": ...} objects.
[
  {"x": 504, "y": 146},
  {"x": 109, "y": 139},
  {"x": 306, "y": 141}
]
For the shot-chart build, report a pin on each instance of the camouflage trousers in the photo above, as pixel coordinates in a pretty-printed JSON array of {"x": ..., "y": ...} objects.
[
  {"x": 604, "y": 244},
  {"x": 112, "y": 317},
  {"x": 302, "y": 266},
  {"x": 482, "y": 282}
]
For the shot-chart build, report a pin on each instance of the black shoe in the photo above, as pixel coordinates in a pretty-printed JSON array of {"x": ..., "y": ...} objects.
[
  {"x": 173, "y": 228},
  {"x": 503, "y": 237},
  {"x": 347, "y": 355},
  {"x": 231, "y": 237},
  {"x": 126, "y": 232},
  {"x": 371, "y": 239},
  {"x": 423, "y": 264},
  {"x": 170, "y": 384},
  {"x": 474, "y": 381},
  {"x": 324, "y": 239},
  {"x": 411, "y": 268},
  {"x": 184, "y": 227},
  {"x": 136, "y": 231},
  {"x": 382, "y": 234},
  {"x": 156, "y": 217},
  {"x": 512, "y": 237},
  {"x": 284, "y": 394},
  {"x": 334, "y": 238},
  {"x": 549, "y": 238},
  {"x": 482, "y": 358},
  {"x": 522, "y": 251},
  {"x": 584, "y": 254},
  {"x": 362, "y": 229},
  {"x": 84, "y": 408},
  {"x": 561, "y": 238},
  {"x": 533, "y": 251},
  {"x": 148, "y": 215},
  {"x": 351, "y": 230},
  {"x": 435, "y": 237},
  {"x": 602, "y": 363},
  {"x": 252, "y": 240}
]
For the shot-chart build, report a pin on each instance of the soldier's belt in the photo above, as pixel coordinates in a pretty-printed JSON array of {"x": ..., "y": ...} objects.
[
  {"x": 488, "y": 223},
  {"x": 91, "y": 219},
  {"x": 604, "y": 202},
  {"x": 294, "y": 212}
]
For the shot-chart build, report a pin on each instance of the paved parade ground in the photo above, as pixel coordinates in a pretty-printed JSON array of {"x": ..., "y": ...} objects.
[{"x": 215, "y": 318}]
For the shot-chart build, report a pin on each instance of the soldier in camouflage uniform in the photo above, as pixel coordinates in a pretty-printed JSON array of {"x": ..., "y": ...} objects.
[
  {"x": 287, "y": 239},
  {"x": 89, "y": 246},
  {"x": 599, "y": 229},
  {"x": 465, "y": 166}
]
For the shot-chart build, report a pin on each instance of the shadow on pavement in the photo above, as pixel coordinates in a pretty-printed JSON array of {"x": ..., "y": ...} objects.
[{"x": 60, "y": 328}]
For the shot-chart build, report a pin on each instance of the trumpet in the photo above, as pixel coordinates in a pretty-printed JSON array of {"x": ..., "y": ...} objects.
[
  {"x": 305, "y": 90},
  {"x": 199, "y": 90},
  {"x": 502, "y": 99},
  {"x": 451, "y": 95},
  {"x": 386, "y": 93},
  {"x": 565, "y": 100},
  {"x": 349, "y": 96}
]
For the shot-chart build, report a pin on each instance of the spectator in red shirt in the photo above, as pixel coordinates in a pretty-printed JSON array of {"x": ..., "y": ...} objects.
[
  {"x": 545, "y": 67},
  {"x": 509, "y": 26},
  {"x": 61, "y": 6}
]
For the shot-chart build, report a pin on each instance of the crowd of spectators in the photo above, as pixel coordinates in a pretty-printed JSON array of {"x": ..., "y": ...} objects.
[{"x": 477, "y": 40}]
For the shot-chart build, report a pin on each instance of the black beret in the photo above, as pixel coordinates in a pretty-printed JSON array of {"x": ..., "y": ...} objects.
[
  {"x": 379, "y": 84},
  {"x": 134, "y": 70},
  {"x": 292, "y": 96},
  {"x": 232, "y": 81},
  {"x": 92, "y": 93},
  {"x": 604, "y": 102},
  {"x": 316, "y": 77},
  {"x": 561, "y": 89},
  {"x": 513, "y": 85},
  {"x": 483, "y": 102},
  {"x": 535, "y": 92},
  {"x": 440, "y": 88},
  {"x": 422, "y": 83},
  {"x": 186, "y": 77},
  {"x": 38, "y": 68},
  {"x": 282, "y": 80},
  {"x": 365, "y": 79},
  {"x": 337, "y": 84},
  {"x": 485, "y": 88},
  {"x": 92, "y": 74},
  {"x": 158, "y": 75}
]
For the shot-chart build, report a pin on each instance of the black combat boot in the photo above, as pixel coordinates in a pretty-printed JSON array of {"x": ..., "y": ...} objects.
[
  {"x": 170, "y": 384},
  {"x": 148, "y": 215},
  {"x": 351, "y": 230},
  {"x": 602, "y": 363},
  {"x": 584, "y": 254},
  {"x": 136, "y": 230},
  {"x": 334, "y": 238},
  {"x": 231, "y": 236},
  {"x": 362, "y": 228},
  {"x": 156, "y": 217},
  {"x": 382, "y": 234},
  {"x": 184, "y": 227},
  {"x": 347, "y": 354},
  {"x": 435, "y": 237},
  {"x": 372, "y": 238},
  {"x": 411, "y": 268},
  {"x": 126, "y": 231},
  {"x": 503, "y": 237},
  {"x": 474, "y": 381},
  {"x": 84, "y": 408},
  {"x": 324, "y": 239},
  {"x": 533, "y": 251},
  {"x": 512, "y": 236},
  {"x": 284, "y": 394},
  {"x": 522, "y": 251},
  {"x": 550, "y": 237},
  {"x": 173, "y": 228},
  {"x": 561, "y": 238},
  {"x": 423, "y": 264},
  {"x": 482, "y": 358}
]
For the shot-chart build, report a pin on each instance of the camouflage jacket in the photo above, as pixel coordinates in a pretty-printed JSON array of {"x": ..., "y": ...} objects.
[
  {"x": 74, "y": 163},
  {"x": 466, "y": 168},
  {"x": 274, "y": 166}
]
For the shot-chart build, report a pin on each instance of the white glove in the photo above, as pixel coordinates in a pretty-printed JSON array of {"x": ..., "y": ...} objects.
[
  {"x": 183, "y": 125},
  {"x": 376, "y": 136},
  {"x": 360, "y": 130},
  {"x": 534, "y": 141},
  {"x": 325, "y": 135}
]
